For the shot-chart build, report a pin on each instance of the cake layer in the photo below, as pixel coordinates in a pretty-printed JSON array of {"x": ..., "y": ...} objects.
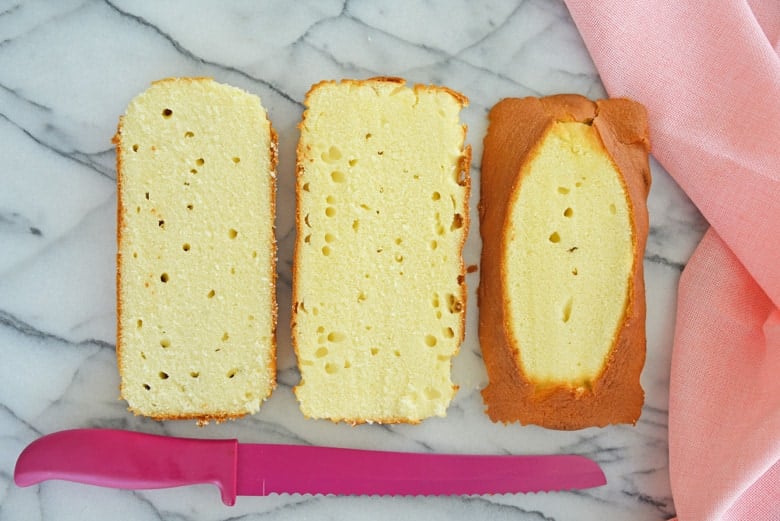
[
  {"x": 196, "y": 261},
  {"x": 379, "y": 282},
  {"x": 568, "y": 257},
  {"x": 564, "y": 224}
]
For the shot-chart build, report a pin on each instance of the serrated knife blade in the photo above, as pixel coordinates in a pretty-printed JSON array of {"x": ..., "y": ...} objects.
[{"x": 132, "y": 460}]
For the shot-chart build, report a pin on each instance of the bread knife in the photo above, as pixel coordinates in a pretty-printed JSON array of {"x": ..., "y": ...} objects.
[{"x": 132, "y": 460}]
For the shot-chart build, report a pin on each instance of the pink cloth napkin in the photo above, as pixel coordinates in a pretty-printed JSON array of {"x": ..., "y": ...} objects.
[{"x": 709, "y": 74}]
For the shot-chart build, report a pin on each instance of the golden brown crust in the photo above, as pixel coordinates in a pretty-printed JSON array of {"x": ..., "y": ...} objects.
[
  {"x": 217, "y": 417},
  {"x": 516, "y": 126},
  {"x": 464, "y": 180}
]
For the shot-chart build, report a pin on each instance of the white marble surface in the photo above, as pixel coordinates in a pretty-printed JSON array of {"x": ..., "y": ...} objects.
[{"x": 67, "y": 71}]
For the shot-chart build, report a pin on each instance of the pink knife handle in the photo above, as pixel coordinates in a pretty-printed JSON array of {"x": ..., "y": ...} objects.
[{"x": 131, "y": 460}]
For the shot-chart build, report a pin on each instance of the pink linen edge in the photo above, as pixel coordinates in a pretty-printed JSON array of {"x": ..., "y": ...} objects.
[{"x": 709, "y": 74}]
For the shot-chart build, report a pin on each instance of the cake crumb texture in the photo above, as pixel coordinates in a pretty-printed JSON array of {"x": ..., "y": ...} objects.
[
  {"x": 196, "y": 252},
  {"x": 379, "y": 281}
]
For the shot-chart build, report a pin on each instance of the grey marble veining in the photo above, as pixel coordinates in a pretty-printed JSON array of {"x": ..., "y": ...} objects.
[{"x": 67, "y": 71}]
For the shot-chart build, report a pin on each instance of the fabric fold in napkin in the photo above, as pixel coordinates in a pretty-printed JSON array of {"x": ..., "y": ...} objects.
[{"x": 709, "y": 74}]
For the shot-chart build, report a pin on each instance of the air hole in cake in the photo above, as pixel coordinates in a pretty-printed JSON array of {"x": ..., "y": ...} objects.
[
  {"x": 440, "y": 230},
  {"x": 164, "y": 277},
  {"x": 353, "y": 162},
  {"x": 355, "y": 224},
  {"x": 143, "y": 355},
  {"x": 453, "y": 304},
  {"x": 335, "y": 336},
  {"x": 306, "y": 220},
  {"x": 165, "y": 343},
  {"x": 199, "y": 161},
  {"x": 190, "y": 207},
  {"x": 232, "y": 373},
  {"x": 374, "y": 351},
  {"x": 147, "y": 386},
  {"x": 567, "y": 310},
  {"x": 329, "y": 238},
  {"x": 361, "y": 297},
  {"x": 612, "y": 209},
  {"x": 448, "y": 332},
  {"x": 232, "y": 270},
  {"x": 435, "y": 300},
  {"x": 347, "y": 364},
  {"x": 211, "y": 294},
  {"x": 135, "y": 148},
  {"x": 167, "y": 113},
  {"x": 369, "y": 136},
  {"x": 397, "y": 353},
  {"x": 161, "y": 223},
  {"x": 189, "y": 134},
  {"x": 461, "y": 177},
  {"x": 338, "y": 176},
  {"x": 457, "y": 222},
  {"x": 331, "y": 368},
  {"x": 326, "y": 251},
  {"x": 193, "y": 171},
  {"x": 436, "y": 196},
  {"x": 380, "y": 152},
  {"x": 434, "y": 244},
  {"x": 430, "y": 340},
  {"x": 307, "y": 239},
  {"x": 330, "y": 199},
  {"x": 225, "y": 336},
  {"x": 330, "y": 211},
  {"x": 563, "y": 190},
  {"x": 135, "y": 254},
  {"x": 232, "y": 233},
  {"x": 185, "y": 246},
  {"x": 139, "y": 323},
  {"x": 568, "y": 212},
  {"x": 305, "y": 187},
  {"x": 322, "y": 352},
  {"x": 574, "y": 271},
  {"x": 578, "y": 184},
  {"x": 236, "y": 160},
  {"x": 398, "y": 241},
  {"x": 163, "y": 375},
  {"x": 194, "y": 374},
  {"x": 333, "y": 154},
  {"x": 554, "y": 237},
  {"x": 320, "y": 329},
  {"x": 399, "y": 258},
  {"x": 416, "y": 177},
  {"x": 254, "y": 254},
  {"x": 137, "y": 209},
  {"x": 146, "y": 195}
]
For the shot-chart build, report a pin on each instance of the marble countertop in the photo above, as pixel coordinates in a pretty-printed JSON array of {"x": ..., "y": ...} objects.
[{"x": 68, "y": 70}]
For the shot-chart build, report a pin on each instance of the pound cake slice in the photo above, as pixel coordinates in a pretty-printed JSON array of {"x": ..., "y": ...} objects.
[
  {"x": 564, "y": 223},
  {"x": 196, "y": 256},
  {"x": 379, "y": 284}
]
